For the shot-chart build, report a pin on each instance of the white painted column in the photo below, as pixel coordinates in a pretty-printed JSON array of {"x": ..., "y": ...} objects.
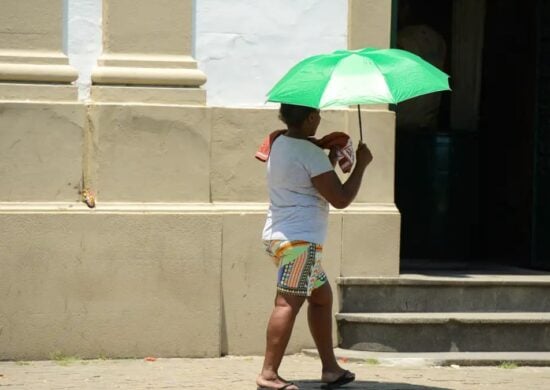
[
  {"x": 31, "y": 51},
  {"x": 147, "y": 45}
]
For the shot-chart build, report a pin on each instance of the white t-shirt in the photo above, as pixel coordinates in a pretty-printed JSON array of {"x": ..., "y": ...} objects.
[{"x": 297, "y": 211}]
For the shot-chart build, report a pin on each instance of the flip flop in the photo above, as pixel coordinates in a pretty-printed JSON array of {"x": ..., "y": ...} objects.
[
  {"x": 285, "y": 386},
  {"x": 344, "y": 379}
]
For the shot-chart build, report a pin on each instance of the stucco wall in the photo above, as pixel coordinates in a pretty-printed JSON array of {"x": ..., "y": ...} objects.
[
  {"x": 119, "y": 283},
  {"x": 242, "y": 58},
  {"x": 245, "y": 46},
  {"x": 171, "y": 252}
]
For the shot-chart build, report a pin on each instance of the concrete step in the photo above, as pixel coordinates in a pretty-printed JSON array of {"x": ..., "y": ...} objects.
[
  {"x": 446, "y": 293},
  {"x": 445, "y": 332},
  {"x": 430, "y": 359}
]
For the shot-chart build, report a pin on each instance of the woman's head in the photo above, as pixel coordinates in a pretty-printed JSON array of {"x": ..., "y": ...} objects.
[{"x": 300, "y": 117}]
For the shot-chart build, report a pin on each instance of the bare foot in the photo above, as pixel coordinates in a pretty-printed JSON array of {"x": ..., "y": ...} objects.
[{"x": 275, "y": 383}]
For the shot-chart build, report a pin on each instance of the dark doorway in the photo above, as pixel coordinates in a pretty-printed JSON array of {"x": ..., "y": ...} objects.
[
  {"x": 507, "y": 131},
  {"x": 541, "y": 207},
  {"x": 472, "y": 197}
]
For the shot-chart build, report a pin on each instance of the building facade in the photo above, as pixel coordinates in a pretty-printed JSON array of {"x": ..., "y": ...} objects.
[{"x": 130, "y": 220}]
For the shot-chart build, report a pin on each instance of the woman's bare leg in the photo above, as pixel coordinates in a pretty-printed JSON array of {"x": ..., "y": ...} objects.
[
  {"x": 279, "y": 330},
  {"x": 319, "y": 316}
]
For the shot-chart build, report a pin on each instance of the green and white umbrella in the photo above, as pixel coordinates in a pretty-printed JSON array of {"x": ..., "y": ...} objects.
[{"x": 354, "y": 77}]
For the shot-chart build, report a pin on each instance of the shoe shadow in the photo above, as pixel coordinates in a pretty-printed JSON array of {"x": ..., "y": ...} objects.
[{"x": 367, "y": 385}]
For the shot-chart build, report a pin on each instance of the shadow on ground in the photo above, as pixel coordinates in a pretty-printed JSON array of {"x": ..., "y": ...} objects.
[{"x": 368, "y": 385}]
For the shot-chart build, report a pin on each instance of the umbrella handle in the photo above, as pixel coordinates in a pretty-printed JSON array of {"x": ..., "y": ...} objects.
[{"x": 360, "y": 124}]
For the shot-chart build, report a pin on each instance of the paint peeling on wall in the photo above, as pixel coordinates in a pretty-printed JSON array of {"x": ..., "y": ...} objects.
[{"x": 83, "y": 40}]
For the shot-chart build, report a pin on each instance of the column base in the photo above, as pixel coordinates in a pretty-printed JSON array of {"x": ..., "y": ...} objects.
[
  {"x": 41, "y": 67},
  {"x": 148, "y": 95},
  {"x": 148, "y": 70},
  {"x": 19, "y": 92}
]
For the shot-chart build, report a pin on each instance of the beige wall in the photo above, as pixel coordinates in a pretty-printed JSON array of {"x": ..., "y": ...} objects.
[
  {"x": 155, "y": 169},
  {"x": 116, "y": 284},
  {"x": 40, "y": 151},
  {"x": 369, "y": 23},
  {"x": 236, "y": 135},
  {"x": 150, "y": 153},
  {"x": 170, "y": 261},
  {"x": 29, "y": 29}
]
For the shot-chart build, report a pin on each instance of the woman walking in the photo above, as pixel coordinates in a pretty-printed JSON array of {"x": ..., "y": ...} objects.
[{"x": 302, "y": 183}]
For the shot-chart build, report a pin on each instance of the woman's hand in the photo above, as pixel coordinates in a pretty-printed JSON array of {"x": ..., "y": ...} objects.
[
  {"x": 363, "y": 155},
  {"x": 333, "y": 156},
  {"x": 340, "y": 195}
]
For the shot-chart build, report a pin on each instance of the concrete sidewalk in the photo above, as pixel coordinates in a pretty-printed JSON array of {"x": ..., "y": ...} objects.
[{"x": 240, "y": 373}]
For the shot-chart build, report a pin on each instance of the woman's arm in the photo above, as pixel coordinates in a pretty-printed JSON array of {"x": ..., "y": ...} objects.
[{"x": 331, "y": 188}]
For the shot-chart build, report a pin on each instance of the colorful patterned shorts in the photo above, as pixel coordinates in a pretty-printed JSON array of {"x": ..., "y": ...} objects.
[{"x": 299, "y": 263}]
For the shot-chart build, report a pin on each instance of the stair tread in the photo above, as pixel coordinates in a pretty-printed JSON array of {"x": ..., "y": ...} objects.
[
  {"x": 442, "y": 317},
  {"x": 451, "y": 279}
]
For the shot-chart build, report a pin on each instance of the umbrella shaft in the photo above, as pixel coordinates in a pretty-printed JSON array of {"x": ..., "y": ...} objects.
[{"x": 360, "y": 124}]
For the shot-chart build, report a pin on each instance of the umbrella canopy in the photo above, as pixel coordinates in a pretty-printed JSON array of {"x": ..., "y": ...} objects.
[{"x": 365, "y": 76}]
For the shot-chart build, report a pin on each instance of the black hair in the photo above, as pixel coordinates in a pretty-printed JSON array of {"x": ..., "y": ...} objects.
[{"x": 294, "y": 115}]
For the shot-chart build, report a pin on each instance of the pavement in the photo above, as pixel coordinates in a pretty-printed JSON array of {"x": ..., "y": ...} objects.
[
  {"x": 442, "y": 358},
  {"x": 240, "y": 372}
]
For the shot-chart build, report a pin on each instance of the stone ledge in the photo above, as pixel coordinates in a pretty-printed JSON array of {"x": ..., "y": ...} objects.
[
  {"x": 216, "y": 207},
  {"x": 534, "y": 279},
  {"x": 443, "y": 318},
  {"x": 139, "y": 208}
]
